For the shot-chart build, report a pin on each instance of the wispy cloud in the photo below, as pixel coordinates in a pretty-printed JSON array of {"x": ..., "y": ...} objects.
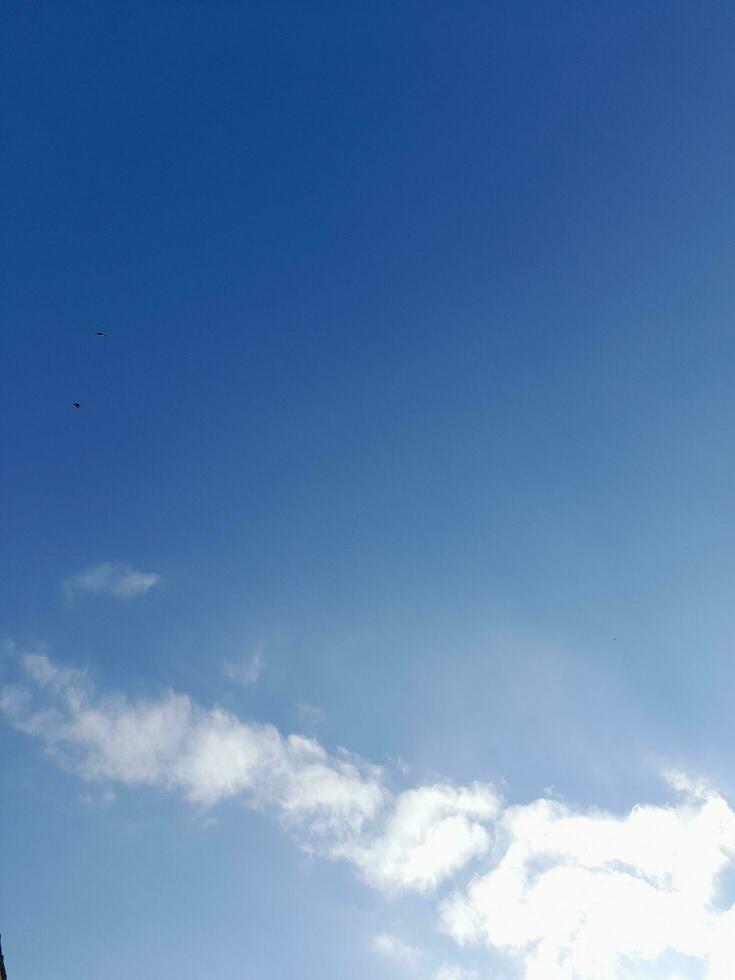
[
  {"x": 309, "y": 714},
  {"x": 99, "y": 799},
  {"x": 245, "y": 672},
  {"x": 553, "y": 891},
  {"x": 110, "y": 579},
  {"x": 449, "y": 971},
  {"x": 336, "y": 804},
  {"x": 393, "y": 948}
]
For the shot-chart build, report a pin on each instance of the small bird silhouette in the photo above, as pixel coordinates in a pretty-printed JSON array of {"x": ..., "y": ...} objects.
[
  {"x": 99, "y": 333},
  {"x": 76, "y": 404}
]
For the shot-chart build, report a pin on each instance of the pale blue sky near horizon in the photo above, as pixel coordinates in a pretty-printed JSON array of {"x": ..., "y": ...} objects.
[{"x": 418, "y": 380}]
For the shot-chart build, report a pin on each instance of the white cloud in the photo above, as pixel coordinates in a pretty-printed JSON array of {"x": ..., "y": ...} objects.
[
  {"x": 552, "y": 891},
  {"x": 246, "y": 672},
  {"x": 431, "y": 833},
  {"x": 173, "y": 743},
  {"x": 393, "y": 948},
  {"x": 337, "y": 804},
  {"x": 449, "y": 971},
  {"x": 110, "y": 579},
  {"x": 594, "y": 895}
]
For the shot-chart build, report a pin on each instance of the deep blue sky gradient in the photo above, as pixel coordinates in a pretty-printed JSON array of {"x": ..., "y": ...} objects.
[{"x": 419, "y": 375}]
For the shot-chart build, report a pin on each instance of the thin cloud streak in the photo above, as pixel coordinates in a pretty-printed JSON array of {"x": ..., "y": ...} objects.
[
  {"x": 393, "y": 948},
  {"x": 117, "y": 581},
  {"x": 309, "y": 714}
]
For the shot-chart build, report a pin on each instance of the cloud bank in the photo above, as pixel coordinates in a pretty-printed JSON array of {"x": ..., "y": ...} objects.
[
  {"x": 110, "y": 579},
  {"x": 551, "y": 891},
  {"x": 575, "y": 894}
]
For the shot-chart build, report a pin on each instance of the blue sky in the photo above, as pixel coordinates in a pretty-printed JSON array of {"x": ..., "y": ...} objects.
[{"x": 411, "y": 434}]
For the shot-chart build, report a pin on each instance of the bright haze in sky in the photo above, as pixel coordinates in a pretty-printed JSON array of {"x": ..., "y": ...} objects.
[{"x": 372, "y": 617}]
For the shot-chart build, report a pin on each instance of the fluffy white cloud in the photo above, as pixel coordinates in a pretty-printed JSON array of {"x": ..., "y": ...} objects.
[
  {"x": 206, "y": 754},
  {"x": 246, "y": 672},
  {"x": 431, "y": 833},
  {"x": 593, "y": 895},
  {"x": 336, "y": 803},
  {"x": 554, "y": 892},
  {"x": 393, "y": 948},
  {"x": 118, "y": 581}
]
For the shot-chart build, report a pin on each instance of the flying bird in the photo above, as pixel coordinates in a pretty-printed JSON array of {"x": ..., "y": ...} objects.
[
  {"x": 99, "y": 333},
  {"x": 76, "y": 404}
]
